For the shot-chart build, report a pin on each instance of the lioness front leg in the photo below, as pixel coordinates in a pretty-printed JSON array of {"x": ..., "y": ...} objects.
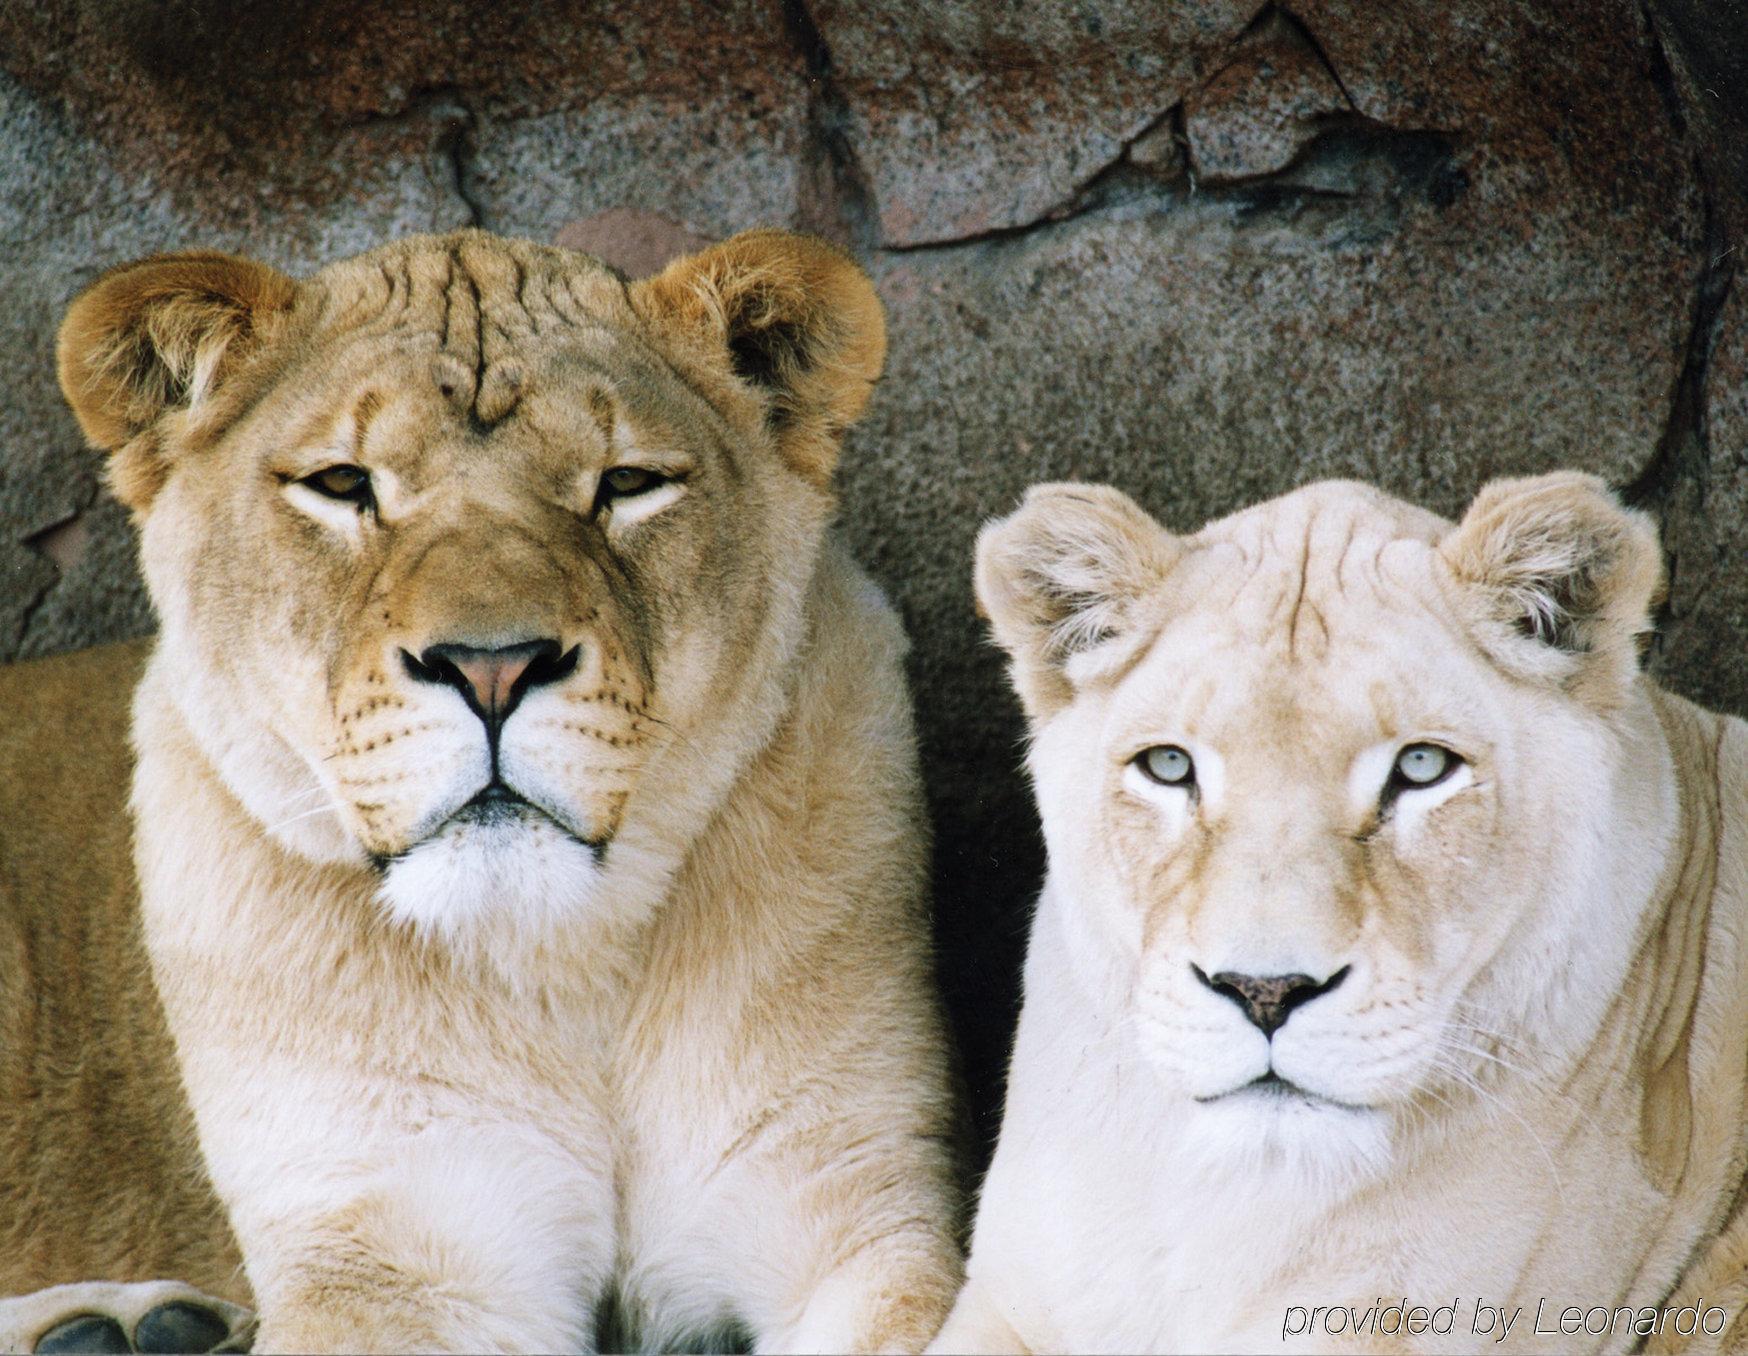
[
  {"x": 889, "y": 1297},
  {"x": 388, "y": 1275},
  {"x": 854, "y": 1250},
  {"x": 465, "y": 1238},
  {"x": 977, "y": 1326}
]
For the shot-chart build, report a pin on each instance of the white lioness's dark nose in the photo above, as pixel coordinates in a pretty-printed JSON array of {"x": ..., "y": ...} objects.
[
  {"x": 492, "y": 682},
  {"x": 1268, "y": 1000}
]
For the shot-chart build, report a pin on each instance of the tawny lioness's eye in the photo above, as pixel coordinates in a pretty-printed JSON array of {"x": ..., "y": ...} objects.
[
  {"x": 1167, "y": 764},
  {"x": 351, "y": 483},
  {"x": 624, "y": 481},
  {"x": 1422, "y": 765}
]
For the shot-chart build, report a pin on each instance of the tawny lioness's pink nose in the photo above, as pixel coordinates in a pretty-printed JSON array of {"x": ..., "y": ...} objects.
[{"x": 492, "y": 682}]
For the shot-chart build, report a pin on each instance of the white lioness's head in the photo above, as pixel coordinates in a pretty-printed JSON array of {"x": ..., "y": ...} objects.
[
  {"x": 1335, "y": 800},
  {"x": 462, "y": 546}
]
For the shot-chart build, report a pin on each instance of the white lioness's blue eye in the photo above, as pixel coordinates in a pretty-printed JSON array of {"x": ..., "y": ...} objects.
[
  {"x": 1168, "y": 765},
  {"x": 1424, "y": 764}
]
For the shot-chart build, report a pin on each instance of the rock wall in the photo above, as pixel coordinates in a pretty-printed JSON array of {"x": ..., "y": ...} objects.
[{"x": 1205, "y": 250}]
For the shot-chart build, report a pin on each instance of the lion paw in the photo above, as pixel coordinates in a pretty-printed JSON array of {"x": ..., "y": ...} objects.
[{"x": 110, "y": 1316}]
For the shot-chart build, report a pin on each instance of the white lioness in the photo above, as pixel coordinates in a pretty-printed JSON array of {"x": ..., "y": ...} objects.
[
  {"x": 1392, "y": 942},
  {"x": 527, "y": 819}
]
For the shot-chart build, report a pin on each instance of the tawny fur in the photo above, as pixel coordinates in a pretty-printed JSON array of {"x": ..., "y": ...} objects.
[
  {"x": 1532, "y": 1082},
  {"x": 459, "y": 1084},
  {"x": 99, "y": 1173}
]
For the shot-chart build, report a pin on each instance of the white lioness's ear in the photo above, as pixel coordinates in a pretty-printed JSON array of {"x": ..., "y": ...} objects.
[
  {"x": 1559, "y": 580},
  {"x": 158, "y": 336},
  {"x": 1062, "y": 581},
  {"x": 795, "y": 319}
]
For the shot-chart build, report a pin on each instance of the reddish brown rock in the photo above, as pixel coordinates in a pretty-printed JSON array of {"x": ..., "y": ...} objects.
[
  {"x": 636, "y": 243},
  {"x": 1260, "y": 109},
  {"x": 550, "y": 110},
  {"x": 968, "y": 118}
]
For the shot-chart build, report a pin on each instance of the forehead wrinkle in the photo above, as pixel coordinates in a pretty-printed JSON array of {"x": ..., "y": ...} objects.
[
  {"x": 1339, "y": 577},
  {"x": 1381, "y": 695},
  {"x": 1431, "y": 601},
  {"x": 363, "y": 412},
  {"x": 429, "y": 278},
  {"x": 1197, "y": 699},
  {"x": 1266, "y": 588},
  {"x": 629, "y": 382},
  {"x": 575, "y": 305},
  {"x": 324, "y": 428},
  {"x": 538, "y": 301},
  {"x": 1276, "y": 587},
  {"x": 1348, "y": 549},
  {"x": 1332, "y": 537},
  {"x": 1302, "y": 582},
  {"x": 647, "y": 348},
  {"x": 1356, "y": 561},
  {"x": 1199, "y": 581},
  {"x": 514, "y": 319}
]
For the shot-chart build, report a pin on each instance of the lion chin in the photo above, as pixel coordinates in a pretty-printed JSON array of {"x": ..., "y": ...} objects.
[
  {"x": 492, "y": 867},
  {"x": 1268, "y": 1129}
]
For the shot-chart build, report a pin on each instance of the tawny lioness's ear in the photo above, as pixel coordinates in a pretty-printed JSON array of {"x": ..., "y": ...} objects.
[
  {"x": 792, "y": 317},
  {"x": 1062, "y": 581},
  {"x": 160, "y": 335},
  {"x": 1558, "y": 580}
]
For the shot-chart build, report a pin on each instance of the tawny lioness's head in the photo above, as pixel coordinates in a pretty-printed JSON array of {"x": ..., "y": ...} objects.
[
  {"x": 1342, "y": 806},
  {"x": 461, "y": 546}
]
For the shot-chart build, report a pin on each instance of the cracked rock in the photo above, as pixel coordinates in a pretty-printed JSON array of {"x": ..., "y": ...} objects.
[
  {"x": 971, "y": 117},
  {"x": 1706, "y": 531},
  {"x": 63, "y": 543},
  {"x": 1160, "y": 149},
  {"x": 99, "y": 595},
  {"x": 1257, "y": 112}
]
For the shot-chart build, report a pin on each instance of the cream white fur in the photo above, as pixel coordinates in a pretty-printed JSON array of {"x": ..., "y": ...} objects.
[{"x": 1476, "y": 1124}]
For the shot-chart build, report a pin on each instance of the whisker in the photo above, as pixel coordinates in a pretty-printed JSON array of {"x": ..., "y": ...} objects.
[
  {"x": 1539, "y": 1082},
  {"x": 1534, "y": 1079},
  {"x": 319, "y": 810},
  {"x": 306, "y": 794},
  {"x": 657, "y": 720},
  {"x": 1493, "y": 1103}
]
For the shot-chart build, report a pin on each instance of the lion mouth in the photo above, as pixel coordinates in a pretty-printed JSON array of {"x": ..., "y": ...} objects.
[
  {"x": 497, "y": 804},
  {"x": 500, "y": 807},
  {"x": 1271, "y": 1087}
]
